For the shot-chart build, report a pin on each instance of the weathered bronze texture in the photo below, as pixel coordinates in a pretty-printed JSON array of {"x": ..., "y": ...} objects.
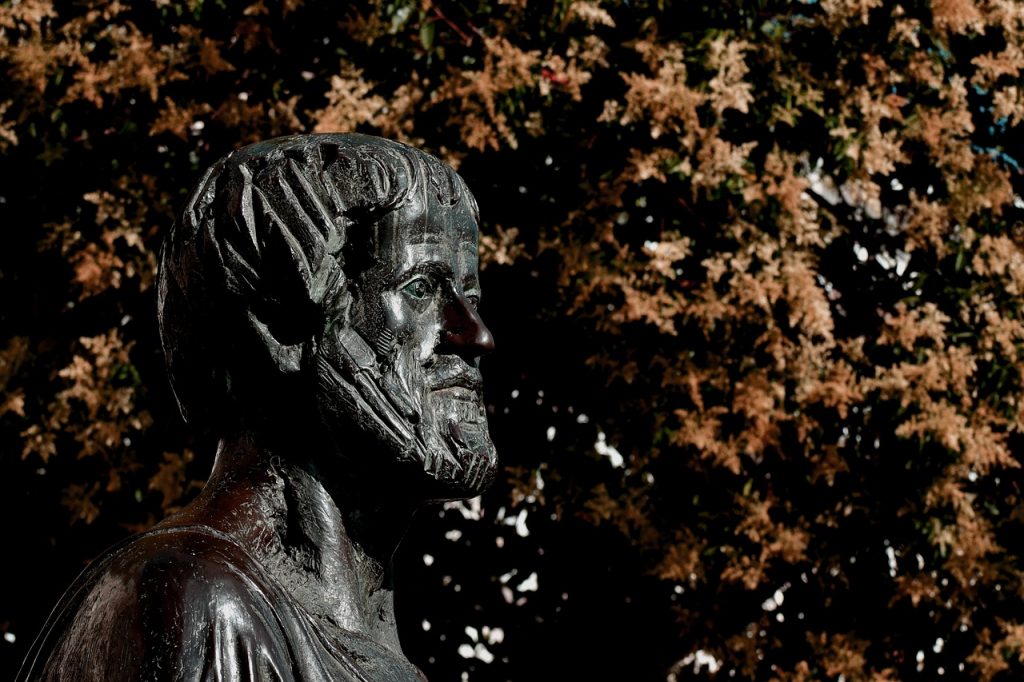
[{"x": 318, "y": 314}]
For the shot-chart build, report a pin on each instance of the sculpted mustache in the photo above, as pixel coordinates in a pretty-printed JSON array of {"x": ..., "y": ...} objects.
[{"x": 449, "y": 372}]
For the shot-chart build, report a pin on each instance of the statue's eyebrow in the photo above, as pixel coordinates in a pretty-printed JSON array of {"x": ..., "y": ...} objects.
[
  {"x": 437, "y": 268},
  {"x": 427, "y": 237}
]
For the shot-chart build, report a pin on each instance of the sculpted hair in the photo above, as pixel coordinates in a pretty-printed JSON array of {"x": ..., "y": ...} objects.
[{"x": 254, "y": 270}]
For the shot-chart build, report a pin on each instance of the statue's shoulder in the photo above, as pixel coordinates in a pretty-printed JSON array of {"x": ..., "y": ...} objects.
[
  {"x": 171, "y": 603},
  {"x": 178, "y": 561}
]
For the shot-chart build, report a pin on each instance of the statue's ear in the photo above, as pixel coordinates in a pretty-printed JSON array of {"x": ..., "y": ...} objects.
[
  {"x": 285, "y": 357},
  {"x": 301, "y": 286}
]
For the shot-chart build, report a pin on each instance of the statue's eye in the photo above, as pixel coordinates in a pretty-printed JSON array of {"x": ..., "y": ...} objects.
[
  {"x": 474, "y": 300},
  {"x": 418, "y": 288}
]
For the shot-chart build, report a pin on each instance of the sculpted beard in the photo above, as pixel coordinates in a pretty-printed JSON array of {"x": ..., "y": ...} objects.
[{"x": 430, "y": 414}]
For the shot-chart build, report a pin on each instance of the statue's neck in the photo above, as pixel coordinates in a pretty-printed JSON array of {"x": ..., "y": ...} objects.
[{"x": 330, "y": 544}]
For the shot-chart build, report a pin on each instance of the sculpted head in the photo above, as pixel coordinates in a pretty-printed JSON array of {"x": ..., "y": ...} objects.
[{"x": 328, "y": 283}]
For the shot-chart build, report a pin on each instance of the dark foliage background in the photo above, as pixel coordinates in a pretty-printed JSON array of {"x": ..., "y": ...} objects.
[{"x": 754, "y": 269}]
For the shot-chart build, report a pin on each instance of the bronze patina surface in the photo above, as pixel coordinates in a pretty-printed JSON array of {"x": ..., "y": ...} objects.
[{"x": 318, "y": 314}]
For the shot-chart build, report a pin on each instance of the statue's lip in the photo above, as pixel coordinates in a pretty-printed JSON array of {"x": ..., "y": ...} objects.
[
  {"x": 460, "y": 392},
  {"x": 454, "y": 373}
]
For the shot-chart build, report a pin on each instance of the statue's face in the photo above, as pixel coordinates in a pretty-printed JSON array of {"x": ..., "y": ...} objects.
[{"x": 412, "y": 350}]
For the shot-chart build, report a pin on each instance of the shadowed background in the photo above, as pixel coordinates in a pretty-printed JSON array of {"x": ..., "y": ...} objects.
[{"x": 754, "y": 270}]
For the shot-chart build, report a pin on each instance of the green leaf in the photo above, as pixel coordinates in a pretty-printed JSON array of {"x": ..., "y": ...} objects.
[{"x": 427, "y": 35}]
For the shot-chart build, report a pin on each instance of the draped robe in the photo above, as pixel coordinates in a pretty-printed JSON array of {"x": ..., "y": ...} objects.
[{"x": 189, "y": 603}]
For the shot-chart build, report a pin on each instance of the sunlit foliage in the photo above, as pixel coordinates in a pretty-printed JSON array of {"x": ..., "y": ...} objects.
[{"x": 755, "y": 270}]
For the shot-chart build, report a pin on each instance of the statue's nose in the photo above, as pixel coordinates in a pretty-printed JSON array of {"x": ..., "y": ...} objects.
[{"x": 463, "y": 333}]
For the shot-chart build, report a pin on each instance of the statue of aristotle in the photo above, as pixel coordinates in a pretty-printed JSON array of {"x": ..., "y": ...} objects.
[{"x": 318, "y": 314}]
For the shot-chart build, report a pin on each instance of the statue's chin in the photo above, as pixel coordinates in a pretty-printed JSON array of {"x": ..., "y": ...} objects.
[
  {"x": 455, "y": 445},
  {"x": 437, "y": 448}
]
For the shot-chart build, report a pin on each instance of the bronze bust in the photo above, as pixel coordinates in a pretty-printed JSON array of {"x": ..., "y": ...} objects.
[{"x": 318, "y": 314}]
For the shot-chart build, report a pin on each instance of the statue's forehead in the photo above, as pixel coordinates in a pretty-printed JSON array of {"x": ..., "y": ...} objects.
[{"x": 424, "y": 220}]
